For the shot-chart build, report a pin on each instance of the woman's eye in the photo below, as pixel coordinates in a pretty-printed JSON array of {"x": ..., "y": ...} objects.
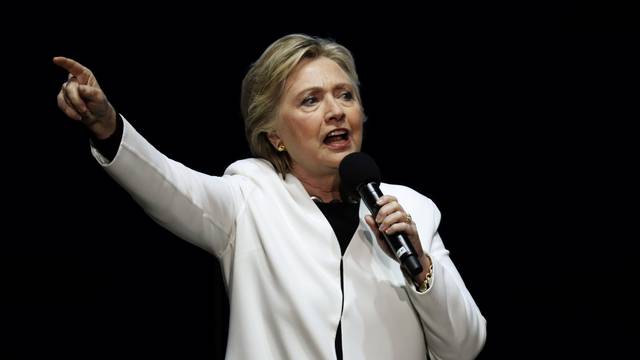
[
  {"x": 347, "y": 95},
  {"x": 309, "y": 100}
]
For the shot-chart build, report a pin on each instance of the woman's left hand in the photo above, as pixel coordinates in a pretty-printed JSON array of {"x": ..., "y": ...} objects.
[{"x": 391, "y": 219}]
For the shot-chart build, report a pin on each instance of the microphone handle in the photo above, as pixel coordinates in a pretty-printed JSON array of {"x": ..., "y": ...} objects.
[{"x": 398, "y": 242}]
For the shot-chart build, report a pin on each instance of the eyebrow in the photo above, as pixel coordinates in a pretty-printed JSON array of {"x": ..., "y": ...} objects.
[{"x": 318, "y": 88}]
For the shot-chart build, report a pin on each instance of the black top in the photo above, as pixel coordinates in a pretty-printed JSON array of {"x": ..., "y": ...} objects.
[
  {"x": 109, "y": 147},
  {"x": 343, "y": 217}
]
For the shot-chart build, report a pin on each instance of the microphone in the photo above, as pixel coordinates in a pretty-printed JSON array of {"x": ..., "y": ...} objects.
[{"x": 360, "y": 174}]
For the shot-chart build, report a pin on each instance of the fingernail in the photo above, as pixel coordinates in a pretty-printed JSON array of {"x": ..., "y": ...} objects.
[
  {"x": 379, "y": 201},
  {"x": 382, "y": 228}
]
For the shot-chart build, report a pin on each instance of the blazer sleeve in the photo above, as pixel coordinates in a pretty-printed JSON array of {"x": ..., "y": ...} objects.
[
  {"x": 194, "y": 206},
  {"x": 453, "y": 326}
]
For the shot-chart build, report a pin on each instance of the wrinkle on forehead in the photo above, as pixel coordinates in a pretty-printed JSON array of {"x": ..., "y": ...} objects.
[{"x": 298, "y": 80}]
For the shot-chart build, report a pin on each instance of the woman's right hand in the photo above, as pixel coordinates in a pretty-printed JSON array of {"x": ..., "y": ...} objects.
[{"x": 81, "y": 99}]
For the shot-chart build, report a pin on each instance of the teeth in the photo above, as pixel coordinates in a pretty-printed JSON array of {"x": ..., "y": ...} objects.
[{"x": 337, "y": 132}]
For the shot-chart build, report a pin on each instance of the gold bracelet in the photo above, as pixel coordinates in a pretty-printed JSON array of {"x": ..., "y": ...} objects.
[{"x": 426, "y": 284}]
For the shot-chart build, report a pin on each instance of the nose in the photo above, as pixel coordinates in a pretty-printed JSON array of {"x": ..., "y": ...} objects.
[{"x": 334, "y": 111}]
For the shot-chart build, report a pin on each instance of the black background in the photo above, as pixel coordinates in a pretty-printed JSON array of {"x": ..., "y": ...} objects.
[{"x": 520, "y": 133}]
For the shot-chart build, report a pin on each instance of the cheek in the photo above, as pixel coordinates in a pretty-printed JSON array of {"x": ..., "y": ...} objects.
[
  {"x": 294, "y": 128},
  {"x": 357, "y": 134},
  {"x": 356, "y": 125},
  {"x": 304, "y": 135},
  {"x": 358, "y": 140}
]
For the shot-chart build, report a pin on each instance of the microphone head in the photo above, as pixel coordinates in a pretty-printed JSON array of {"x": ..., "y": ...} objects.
[{"x": 358, "y": 168}]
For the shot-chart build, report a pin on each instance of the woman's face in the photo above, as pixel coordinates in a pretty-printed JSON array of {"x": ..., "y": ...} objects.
[{"x": 320, "y": 120}]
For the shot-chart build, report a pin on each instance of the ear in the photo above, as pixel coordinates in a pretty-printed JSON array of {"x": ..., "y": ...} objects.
[{"x": 274, "y": 139}]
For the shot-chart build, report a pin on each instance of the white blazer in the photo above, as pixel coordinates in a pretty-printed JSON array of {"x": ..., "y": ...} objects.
[{"x": 281, "y": 263}]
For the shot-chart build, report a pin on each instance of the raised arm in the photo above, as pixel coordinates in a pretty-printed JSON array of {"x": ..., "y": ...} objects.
[
  {"x": 196, "y": 207},
  {"x": 82, "y": 99}
]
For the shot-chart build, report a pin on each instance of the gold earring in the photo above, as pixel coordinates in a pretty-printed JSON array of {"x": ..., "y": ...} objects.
[{"x": 281, "y": 147}]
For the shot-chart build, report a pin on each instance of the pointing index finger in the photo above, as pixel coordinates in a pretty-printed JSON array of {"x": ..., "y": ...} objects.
[{"x": 73, "y": 67}]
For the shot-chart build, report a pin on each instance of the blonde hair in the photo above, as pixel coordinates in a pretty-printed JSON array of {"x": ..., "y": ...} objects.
[{"x": 263, "y": 87}]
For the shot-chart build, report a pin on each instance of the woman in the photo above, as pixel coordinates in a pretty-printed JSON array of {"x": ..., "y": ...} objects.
[{"x": 305, "y": 277}]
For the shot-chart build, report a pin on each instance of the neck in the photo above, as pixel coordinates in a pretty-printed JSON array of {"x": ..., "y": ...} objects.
[{"x": 326, "y": 187}]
